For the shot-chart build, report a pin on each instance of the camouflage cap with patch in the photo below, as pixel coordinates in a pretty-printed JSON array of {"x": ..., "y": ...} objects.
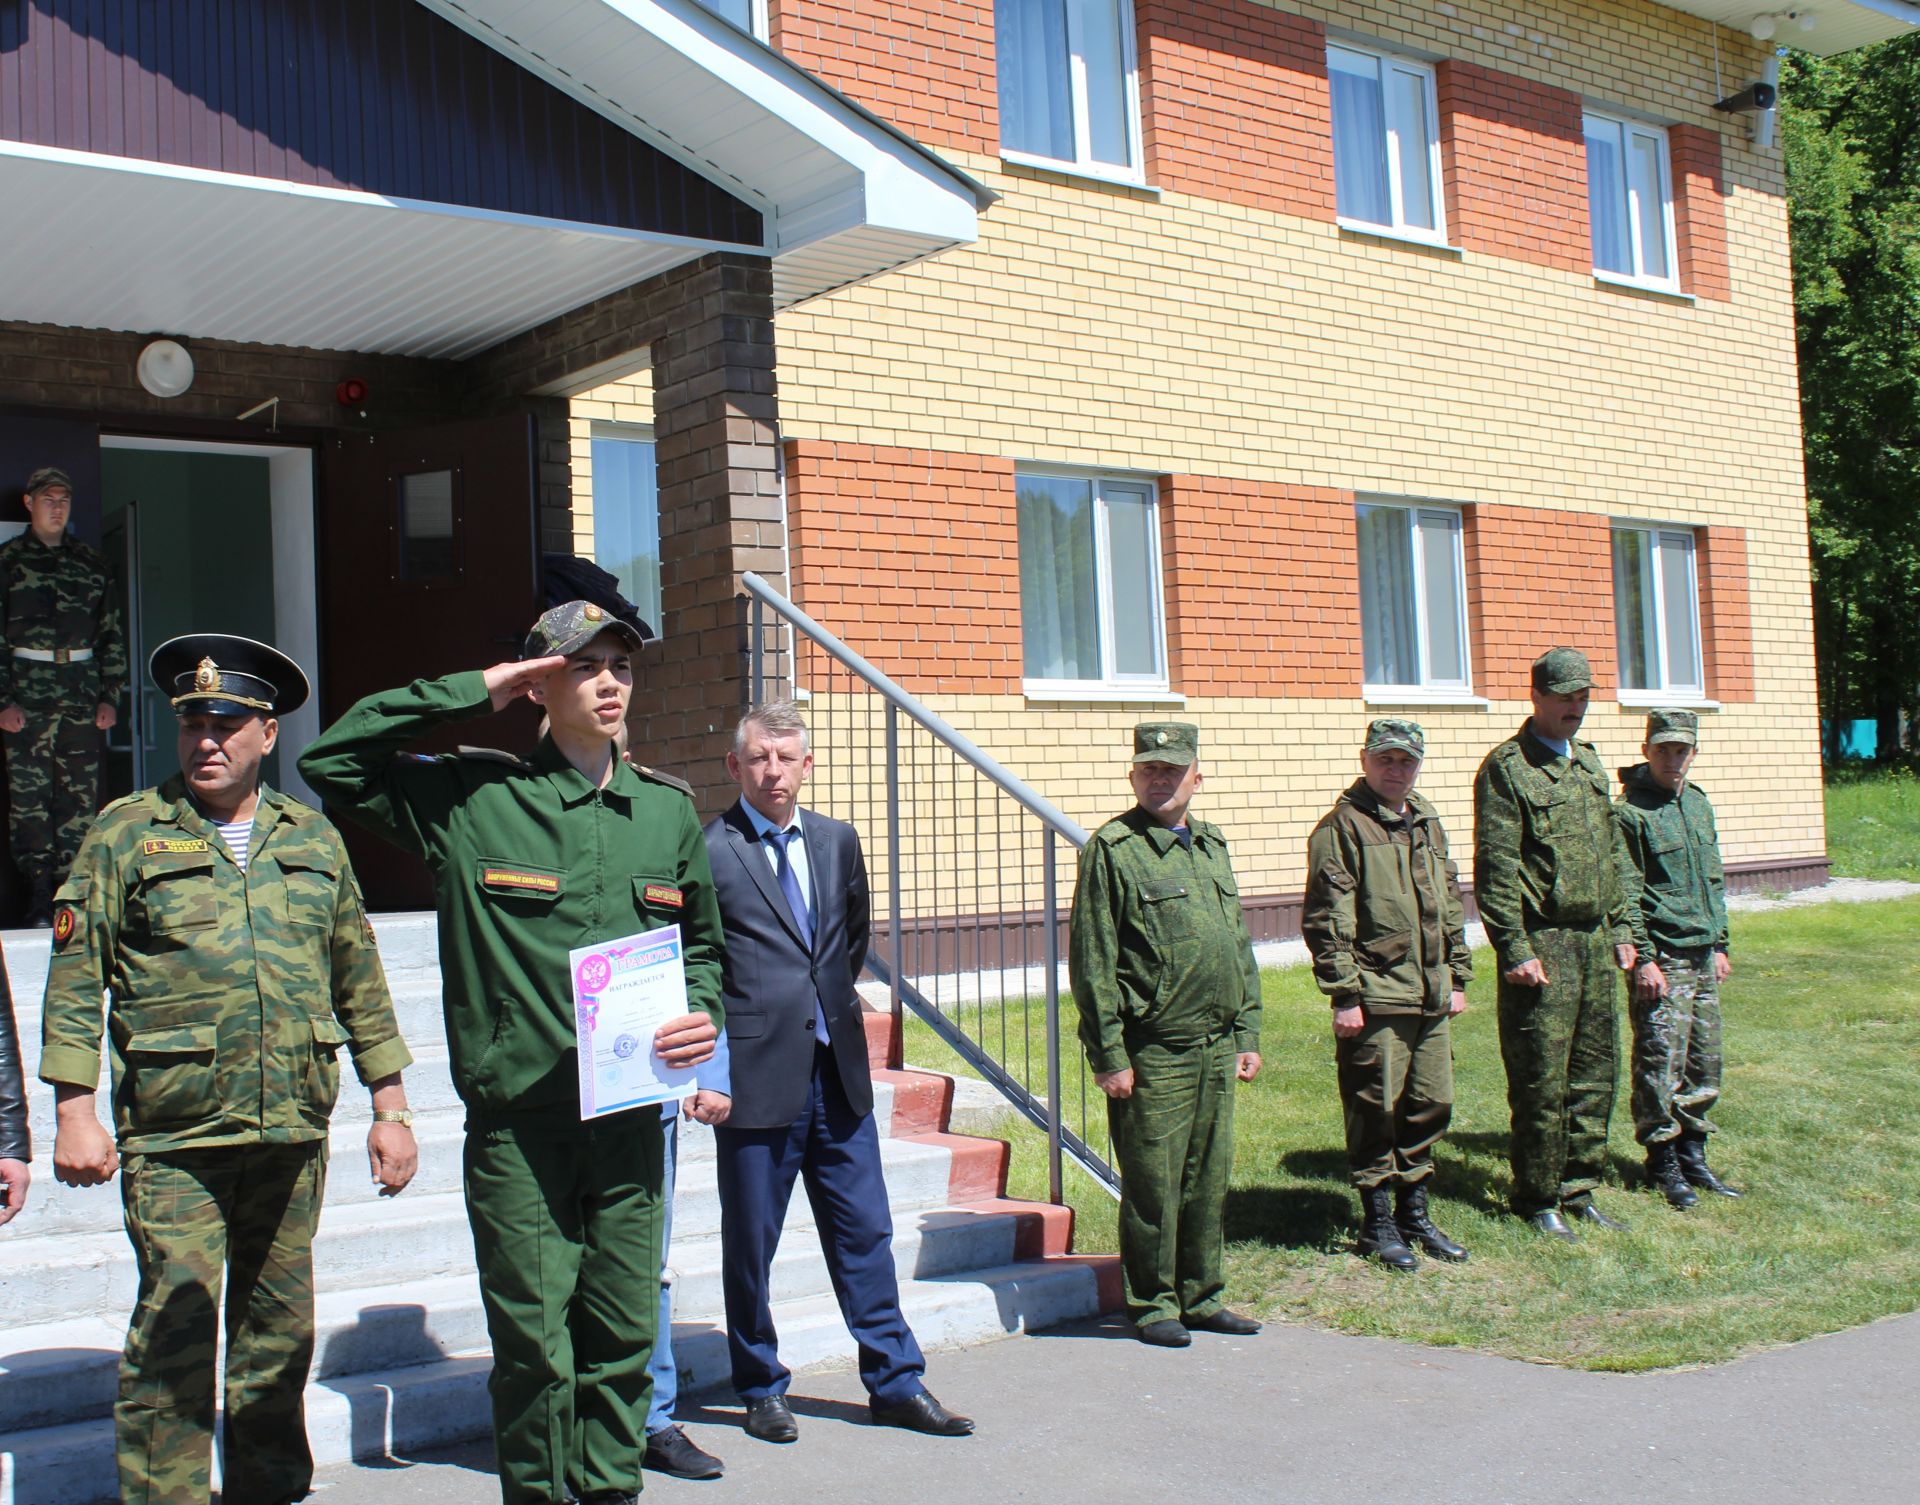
[
  {"x": 1670, "y": 724},
  {"x": 45, "y": 476},
  {"x": 1390, "y": 732},
  {"x": 1175, "y": 742},
  {"x": 1562, "y": 671},
  {"x": 570, "y": 626}
]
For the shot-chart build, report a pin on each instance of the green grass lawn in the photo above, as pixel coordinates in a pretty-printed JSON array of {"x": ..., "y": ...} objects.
[
  {"x": 1873, "y": 824},
  {"x": 1820, "y": 1117}
]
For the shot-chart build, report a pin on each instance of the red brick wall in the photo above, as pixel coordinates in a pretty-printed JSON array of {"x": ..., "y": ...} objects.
[
  {"x": 1700, "y": 211},
  {"x": 1234, "y": 104},
  {"x": 1262, "y": 588},
  {"x": 1537, "y": 579},
  {"x": 1515, "y": 162},
  {"x": 912, "y": 556},
  {"x": 1726, "y": 617},
  {"x": 925, "y": 66}
]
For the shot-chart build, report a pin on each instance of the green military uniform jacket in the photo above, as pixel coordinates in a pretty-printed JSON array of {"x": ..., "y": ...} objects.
[
  {"x": 1383, "y": 919},
  {"x": 231, "y": 993},
  {"x": 1546, "y": 845},
  {"x": 1675, "y": 886},
  {"x": 529, "y": 861},
  {"x": 1158, "y": 948},
  {"x": 53, "y": 599}
]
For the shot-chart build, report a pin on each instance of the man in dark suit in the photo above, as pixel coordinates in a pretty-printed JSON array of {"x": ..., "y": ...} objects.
[{"x": 792, "y": 887}]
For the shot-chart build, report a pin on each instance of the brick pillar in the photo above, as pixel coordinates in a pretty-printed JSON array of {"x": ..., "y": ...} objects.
[{"x": 717, "y": 439}]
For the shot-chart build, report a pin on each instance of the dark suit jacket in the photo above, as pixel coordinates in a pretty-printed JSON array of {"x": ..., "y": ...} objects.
[{"x": 770, "y": 980}]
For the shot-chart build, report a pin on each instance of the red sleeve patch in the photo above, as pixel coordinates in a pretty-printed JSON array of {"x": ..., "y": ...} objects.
[{"x": 63, "y": 926}]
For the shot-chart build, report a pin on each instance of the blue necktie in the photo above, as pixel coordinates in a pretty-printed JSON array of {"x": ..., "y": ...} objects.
[{"x": 797, "y": 902}]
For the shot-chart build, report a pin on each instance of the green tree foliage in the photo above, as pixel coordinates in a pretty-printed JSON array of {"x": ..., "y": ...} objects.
[{"x": 1851, "y": 129}]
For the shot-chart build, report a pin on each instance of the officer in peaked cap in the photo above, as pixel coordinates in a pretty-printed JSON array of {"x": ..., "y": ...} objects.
[{"x": 222, "y": 919}]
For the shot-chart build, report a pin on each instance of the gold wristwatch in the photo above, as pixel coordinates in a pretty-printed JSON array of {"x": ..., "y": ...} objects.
[{"x": 400, "y": 1116}]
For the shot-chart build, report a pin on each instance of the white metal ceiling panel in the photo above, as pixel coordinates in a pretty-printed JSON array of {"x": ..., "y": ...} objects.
[{"x": 1837, "y": 25}]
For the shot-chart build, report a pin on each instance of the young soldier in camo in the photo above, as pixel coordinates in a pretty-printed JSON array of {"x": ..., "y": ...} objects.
[
  {"x": 1384, "y": 923},
  {"x": 63, "y": 668},
  {"x": 1678, "y": 909}
]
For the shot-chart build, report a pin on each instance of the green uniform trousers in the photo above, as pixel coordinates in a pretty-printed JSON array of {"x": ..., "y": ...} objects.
[
  {"x": 1396, "y": 1087},
  {"x": 1676, "y": 1051},
  {"x": 1174, "y": 1142},
  {"x": 53, "y": 788},
  {"x": 567, "y": 1235},
  {"x": 1560, "y": 1047},
  {"x": 250, "y": 1211}
]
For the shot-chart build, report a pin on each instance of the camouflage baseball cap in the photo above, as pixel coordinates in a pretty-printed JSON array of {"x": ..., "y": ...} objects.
[
  {"x": 48, "y": 475},
  {"x": 1669, "y": 725},
  {"x": 1175, "y": 742},
  {"x": 569, "y": 627},
  {"x": 1390, "y": 732},
  {"x": 1562, "y": 671}
]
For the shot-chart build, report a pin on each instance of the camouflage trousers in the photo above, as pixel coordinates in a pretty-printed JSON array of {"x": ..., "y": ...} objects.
[
  {"x": 1173, "y": 1140},
  {"x": 248, "y": 1212},
  {"x": 1560, "y": 1046},
  {"x": 1676, "y": 1051},
  {"x": 1396, "y": 1090},
  {"x": 53, "y": 788}
]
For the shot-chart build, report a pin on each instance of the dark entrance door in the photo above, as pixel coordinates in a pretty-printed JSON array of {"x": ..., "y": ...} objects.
[{"x": 428, "y": 566}]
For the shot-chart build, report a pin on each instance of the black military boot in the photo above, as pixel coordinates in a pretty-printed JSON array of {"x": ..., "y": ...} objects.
[
  {"x": 1692, "y": 1155},
  {"x": 1410, "y": 1215},
  {"x": 1379, "y": 1234},
  {"x": 40, "y": 901},
  {"x": 1663, "y": 1175}
]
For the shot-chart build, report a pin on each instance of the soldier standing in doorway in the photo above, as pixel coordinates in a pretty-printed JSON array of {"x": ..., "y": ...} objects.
[{"x": 63, "y": 666}]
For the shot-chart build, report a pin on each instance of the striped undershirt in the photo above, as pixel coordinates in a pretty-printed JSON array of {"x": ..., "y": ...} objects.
[{"x": 238, "y": 835}]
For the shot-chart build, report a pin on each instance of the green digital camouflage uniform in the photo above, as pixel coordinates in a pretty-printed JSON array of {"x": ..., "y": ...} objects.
[
  {"x": 55, "y": 600},
  {"x": 1547, "y": 881},
  {"x": 1672, "y": 874},
  {"x": 1164, "y": 978},
  {"x": 1384, "y": 924},
  {"x": 232, "y": 995},
  {"x": 530, "y": 860}
]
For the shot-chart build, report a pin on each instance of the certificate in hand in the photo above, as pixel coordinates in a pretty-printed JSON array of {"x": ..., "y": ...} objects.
[{"x": 623, "y": 991}]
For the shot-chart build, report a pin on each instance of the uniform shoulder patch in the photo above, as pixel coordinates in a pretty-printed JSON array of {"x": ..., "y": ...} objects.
[
  {"x": 493, "y": 755},
  {"x": 663, "y": 778},
  {"x": 63, "y": 926}
]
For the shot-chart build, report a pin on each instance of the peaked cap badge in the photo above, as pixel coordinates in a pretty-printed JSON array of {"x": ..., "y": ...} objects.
[
  {"x": 206, "y": 678},
  {"x": 1161, "y": 739}
]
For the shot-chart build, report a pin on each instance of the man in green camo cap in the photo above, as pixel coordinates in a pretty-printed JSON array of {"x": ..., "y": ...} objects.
[
  {"x": 1676, "y": 904},
  {"x": 1169, "y": 998},
  {"x": 1546, "y": 875},
  {"x": 222, "y": 920},
  {"x": 1385, "y": 926}
]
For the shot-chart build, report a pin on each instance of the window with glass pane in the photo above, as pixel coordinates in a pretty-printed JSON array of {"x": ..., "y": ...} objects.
[
  {"x": 626, "y": 520},
  {"x": 740, "y": 12},
  {"x": 1413, "y": 597},
  {"x": 1630, "y": 200},
  {"x": 1656, "y": 610},
  {"x": 1067, "y": 81},
  {"x": 1090, "y": 581},
  {"x": 426, "y": 526},
  {"x": 1386, "y": 141}
]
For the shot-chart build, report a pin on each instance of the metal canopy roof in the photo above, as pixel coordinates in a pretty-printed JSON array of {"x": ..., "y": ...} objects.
[
  {"x": 106, "y": 242},
  {"x": 1838, "y": 25}
]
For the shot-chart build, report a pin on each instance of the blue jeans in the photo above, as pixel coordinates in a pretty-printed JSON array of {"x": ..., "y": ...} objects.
[{"x": 666, "y": 1378}]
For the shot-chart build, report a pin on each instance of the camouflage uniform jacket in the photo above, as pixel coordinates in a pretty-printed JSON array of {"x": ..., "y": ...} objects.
[
  {"x": 231, "y": 993},
  {"x": 60, "y": 598},
  {"x": 1546, "y": 846},
  {"x": 1676, "y": 890},
  {"x": 1158, "y": 948},
  {"x": 1383, "y": 918}
]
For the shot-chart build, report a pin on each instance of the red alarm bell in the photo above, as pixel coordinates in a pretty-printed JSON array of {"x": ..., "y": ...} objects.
[{"x": 351, "y": 392}]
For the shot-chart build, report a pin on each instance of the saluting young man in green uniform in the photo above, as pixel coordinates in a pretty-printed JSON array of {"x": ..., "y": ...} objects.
[
  {"x": 530, "y": 860},
  {"x": 1677, "y": 905},
  {"x": 1169, "y": 1000}
]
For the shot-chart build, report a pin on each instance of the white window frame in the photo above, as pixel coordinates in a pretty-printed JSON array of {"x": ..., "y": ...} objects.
[
  {"x": 1638, "y": 277},
  {"x": 1427, "y": 689},
  {"x": 758, "y": 25},
  {"x": 1081, "y": 164},
  {"x": 1666, "y": 692},
  {"x": 1111, "y": 685},
  {"x": 607, "y": 430},
  {"x": 1396, "y": 193}
]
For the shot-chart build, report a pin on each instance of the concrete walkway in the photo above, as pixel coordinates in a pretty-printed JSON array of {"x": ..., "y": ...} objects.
[{"x": 1297, "y": 1416}]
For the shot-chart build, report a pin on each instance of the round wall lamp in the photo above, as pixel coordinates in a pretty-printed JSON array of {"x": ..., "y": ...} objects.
[
  {"x": 164, "y": 368},
  {"x": 1766, "y": 27}
]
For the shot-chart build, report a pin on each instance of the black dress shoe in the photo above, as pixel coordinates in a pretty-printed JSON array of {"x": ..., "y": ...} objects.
[
  {"x": 1223, "y": 1321},
  {"x": 1586, "y": 1212},
  {"x": 1554, "y": 1226},
  {"x": 769, "y": 1419},
  {"x": 920, "y": 1413},
  {"x": 671, "y": 1451},
  {"x": 1166, "y": 1333}
]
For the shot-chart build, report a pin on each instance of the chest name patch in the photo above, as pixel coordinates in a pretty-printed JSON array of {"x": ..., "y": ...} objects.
[
  {"x": 533, "y": 883},
  {"x": 659, "y": 893},
  {"x": 161, "y": 845}
]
